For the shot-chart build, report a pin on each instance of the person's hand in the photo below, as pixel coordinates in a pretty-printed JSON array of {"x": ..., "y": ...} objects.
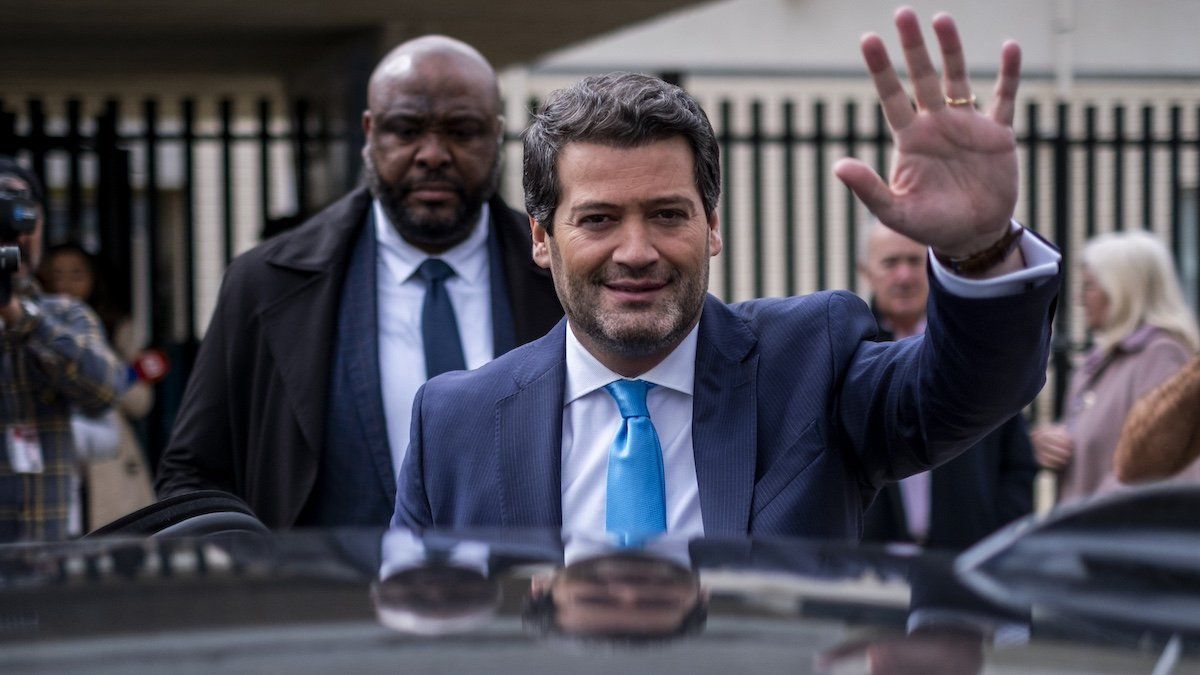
[
  {"x": 1052, "y": 446},
  {"x": 924, "y": 651},
  {"x": 954, "y": 180},
  {"x": 13, "y": 312}
]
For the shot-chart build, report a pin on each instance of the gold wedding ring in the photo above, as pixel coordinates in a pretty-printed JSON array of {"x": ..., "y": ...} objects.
[{"x": 969, "y": 100}]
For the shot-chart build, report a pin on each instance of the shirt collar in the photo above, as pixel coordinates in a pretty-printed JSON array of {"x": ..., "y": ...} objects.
[
  {"x": 1134, "y": 342},
  {"x": 586, "y": 374},
  {"x": 401, "y": 258},
  {"x": 1139, "y": 338}
]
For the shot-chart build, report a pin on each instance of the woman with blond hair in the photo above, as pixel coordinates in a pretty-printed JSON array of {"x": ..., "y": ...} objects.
[{"x": 1143, "y": 332}]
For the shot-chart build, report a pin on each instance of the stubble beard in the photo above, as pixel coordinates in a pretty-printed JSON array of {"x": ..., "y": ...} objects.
[{"x": 633, "y": 333}]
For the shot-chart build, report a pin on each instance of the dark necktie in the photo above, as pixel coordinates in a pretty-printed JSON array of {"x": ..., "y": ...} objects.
[
  {"x": 439, "y": 330},
  {"x": 636, "y": 503}
]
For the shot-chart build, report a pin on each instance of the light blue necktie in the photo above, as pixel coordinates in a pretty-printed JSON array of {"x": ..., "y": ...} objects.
[{"x": 636, "y": 504}]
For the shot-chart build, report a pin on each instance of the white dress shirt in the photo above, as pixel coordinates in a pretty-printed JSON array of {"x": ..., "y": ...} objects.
[
  {"x": 400, "y": 293},
  {"x": 591, "y": 418}
]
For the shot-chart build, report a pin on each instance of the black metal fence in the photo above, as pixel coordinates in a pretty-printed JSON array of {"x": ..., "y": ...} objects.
[
  {"x": 789, "y": 226},
  {"x": 1077, "y": 181},
  {"x": 109, "y": 203},
  {"x": 110, "y": 186}
]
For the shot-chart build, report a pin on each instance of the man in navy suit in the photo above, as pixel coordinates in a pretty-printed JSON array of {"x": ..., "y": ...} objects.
[
  {"x": 300, "y": 395},
  {"x": 657, "y": 407}
]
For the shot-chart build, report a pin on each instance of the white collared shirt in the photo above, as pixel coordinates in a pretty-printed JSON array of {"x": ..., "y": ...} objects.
[
  {"x": 590, "y": 423},
  {"x": 591, "y": 418},
  {"x": 401, "y": 294}
]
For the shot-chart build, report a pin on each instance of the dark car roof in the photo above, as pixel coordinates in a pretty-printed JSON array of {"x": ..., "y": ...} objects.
[{"x": 397, "y": 601}]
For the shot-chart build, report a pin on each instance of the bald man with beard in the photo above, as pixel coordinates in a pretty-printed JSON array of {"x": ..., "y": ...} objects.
[{"x": 301, "y": 394}]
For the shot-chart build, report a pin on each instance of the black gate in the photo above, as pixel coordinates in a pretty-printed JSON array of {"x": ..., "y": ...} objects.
[{"x": 94, "y": 200}]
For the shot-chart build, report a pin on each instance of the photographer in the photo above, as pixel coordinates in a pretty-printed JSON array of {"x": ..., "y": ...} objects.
[{"x": 52, "y": 356}]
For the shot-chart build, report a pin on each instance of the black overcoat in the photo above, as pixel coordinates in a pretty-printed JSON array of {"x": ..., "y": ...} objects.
[{"x": 252, "y": 421}]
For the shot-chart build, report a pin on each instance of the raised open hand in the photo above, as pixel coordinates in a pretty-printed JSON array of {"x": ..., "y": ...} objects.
[{"x": 953, "y": 184}]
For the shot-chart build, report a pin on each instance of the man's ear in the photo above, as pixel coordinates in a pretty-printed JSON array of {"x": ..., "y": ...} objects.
[
  {"x": 367, "y": 123},
  {"x": 541, "y": 245},
  {"x": 714, "y": 233}
]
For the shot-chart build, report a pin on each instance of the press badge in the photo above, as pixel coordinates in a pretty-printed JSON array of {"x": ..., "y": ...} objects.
[{"x": 24, "y": 449}]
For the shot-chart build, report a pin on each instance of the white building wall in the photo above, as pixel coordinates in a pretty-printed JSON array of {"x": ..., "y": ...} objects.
[{"x": 1106, "y": 36}]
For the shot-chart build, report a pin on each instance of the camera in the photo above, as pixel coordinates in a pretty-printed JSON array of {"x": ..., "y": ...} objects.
[{"x": 18, "y": 216}]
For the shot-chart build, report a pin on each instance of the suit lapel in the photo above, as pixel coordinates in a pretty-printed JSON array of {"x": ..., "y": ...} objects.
[
  {"x": 529, "y": 436},
  {"x": 361, "y": 352},
  {"x": 300, "y": 343},
  {"x": 298, "y": 325},
  {"x": 724, "y": 420}
]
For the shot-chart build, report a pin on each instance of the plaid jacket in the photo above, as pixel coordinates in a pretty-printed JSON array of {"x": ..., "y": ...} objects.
[{"x": 49, "y": 362}]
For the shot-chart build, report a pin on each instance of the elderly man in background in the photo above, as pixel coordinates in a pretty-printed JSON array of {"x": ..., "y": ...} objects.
[
  {"x": 300, "y": 398},
  {"x": 972, "y": 495}
]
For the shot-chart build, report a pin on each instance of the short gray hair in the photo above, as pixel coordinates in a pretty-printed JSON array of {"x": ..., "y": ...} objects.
[{"x": 619, "y": 109}]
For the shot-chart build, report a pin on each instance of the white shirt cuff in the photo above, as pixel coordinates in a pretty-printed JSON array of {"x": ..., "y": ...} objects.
[{"x": 1041, "y": 263}]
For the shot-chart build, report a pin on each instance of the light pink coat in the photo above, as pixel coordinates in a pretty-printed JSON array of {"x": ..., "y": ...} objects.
[{"x": 1102, "y": 391}]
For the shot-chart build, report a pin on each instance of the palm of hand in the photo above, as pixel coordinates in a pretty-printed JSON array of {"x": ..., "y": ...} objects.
[{"x": 953, "y": 168}]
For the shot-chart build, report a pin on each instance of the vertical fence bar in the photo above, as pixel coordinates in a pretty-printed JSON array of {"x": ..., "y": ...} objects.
[
  {"x": 226, "y": 112},
  {"x": 819, "y": 141},
  {"x": 1147, "y": 143},
  {"x": 880, "y": 140},
  {"x": 1196, "y": 189},
  {"x": 1062, "y": 237},
  {"x": 851, "y": 112},
  {"x": 150, "y": 124},
  {"x": 74, "y": 173},
  {"x": 300, "y": 153},
  {"x": 8, "y": 131},
  {"x": 1119, "y": 167},
  {"x": 756, "y": 199},
  {"x": 264, "y": 154},
  {"x": 1033, "y": 141},
  {"x": 114, "y": 205},
  {"x": 1089, "y": 168},
  {"x": 1176, "y": 148},
  {"x": 789, "y": 196},
  {"x": 104, "y": 146},
  {"x": 726, "y": 141},
  {"x": 38, "y": 143},
  {"x": 189, "y": 217},
  {"x": 325, "y": 143}
]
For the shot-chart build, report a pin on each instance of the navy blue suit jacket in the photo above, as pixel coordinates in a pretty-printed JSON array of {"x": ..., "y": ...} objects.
[
  {"x": 798, "y": 416},
  {"x": 971, "y": 496}
]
